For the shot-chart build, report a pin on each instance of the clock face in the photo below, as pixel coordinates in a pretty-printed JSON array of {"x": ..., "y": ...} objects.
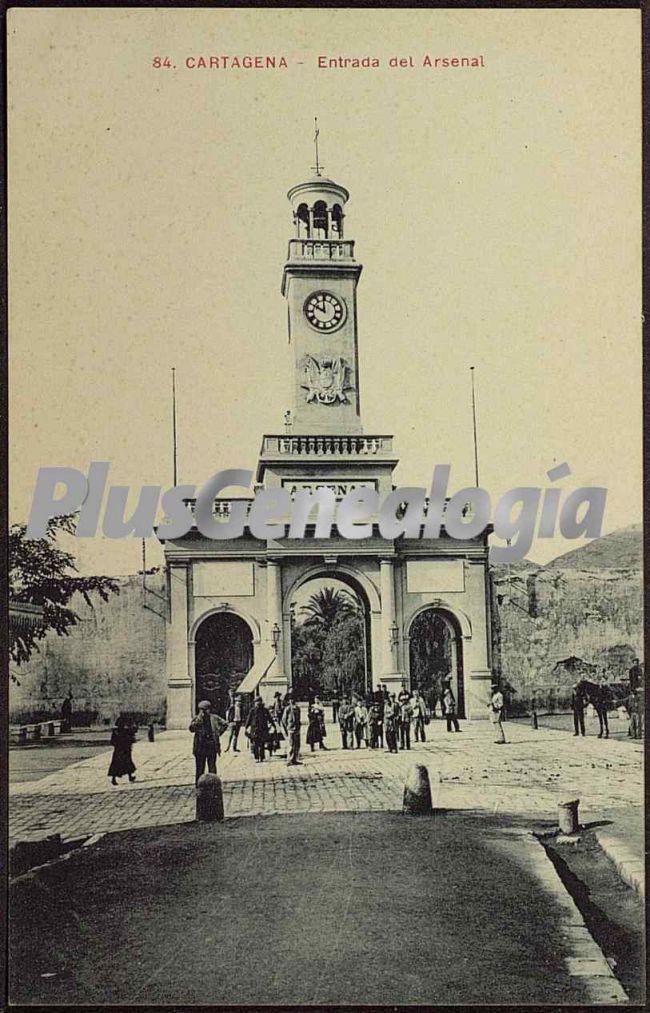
[{"x": 325, "y": 311}]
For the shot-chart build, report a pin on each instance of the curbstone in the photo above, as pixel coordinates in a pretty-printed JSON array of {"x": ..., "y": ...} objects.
[
  {"x": 587, "y": 961},
  {"x": 628, "y": 865}
]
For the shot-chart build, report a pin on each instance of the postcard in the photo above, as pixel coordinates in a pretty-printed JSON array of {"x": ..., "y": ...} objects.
[{"x": 325, "y": 481}]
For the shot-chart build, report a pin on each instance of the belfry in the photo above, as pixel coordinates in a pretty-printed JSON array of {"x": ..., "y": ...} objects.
[{"x": 231, "y": 600}]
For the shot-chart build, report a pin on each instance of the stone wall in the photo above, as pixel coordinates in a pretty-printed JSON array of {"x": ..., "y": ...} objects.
[
  {"x": 113, "y": 660},
  {"x": 545, "y": 616}
]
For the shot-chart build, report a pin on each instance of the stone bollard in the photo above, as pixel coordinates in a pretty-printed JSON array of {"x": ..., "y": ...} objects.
[
  {"x": 533, "y": 720},
  {"x": 209, "y": 799},
  {"x": 567, "y": 816},
  {"x": 151, "y": 735},
  {"x": 417, "y": 791}
]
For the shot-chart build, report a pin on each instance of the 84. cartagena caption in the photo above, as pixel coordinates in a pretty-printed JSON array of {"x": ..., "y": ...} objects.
[{"x": 227, "y": 62}]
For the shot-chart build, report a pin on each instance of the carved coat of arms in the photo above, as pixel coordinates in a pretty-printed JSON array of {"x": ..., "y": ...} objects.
[{"x": 326, "y": 380}]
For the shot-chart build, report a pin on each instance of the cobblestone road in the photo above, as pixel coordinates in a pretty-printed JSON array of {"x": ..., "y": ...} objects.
[{"x": 526, "y": 778}]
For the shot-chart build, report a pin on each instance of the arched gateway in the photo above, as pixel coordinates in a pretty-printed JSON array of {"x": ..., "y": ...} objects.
[
  {"x": 223, "y": 655},
  {"x": 362, "y": 590},
  {"x": 436, "y": 655},
  {"x": 324, "y": 445}
]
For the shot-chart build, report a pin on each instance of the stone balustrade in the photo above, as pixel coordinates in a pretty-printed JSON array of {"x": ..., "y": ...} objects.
[
  {"x": 321, "y": 249},
  {"x": 327, "y": 446}
]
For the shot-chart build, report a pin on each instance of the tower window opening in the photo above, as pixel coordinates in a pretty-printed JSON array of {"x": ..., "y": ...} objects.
[
  {"x": 320, "y": 220},
  {"x": 337, "y": 222},
  {"x": 302, "y": 221}
]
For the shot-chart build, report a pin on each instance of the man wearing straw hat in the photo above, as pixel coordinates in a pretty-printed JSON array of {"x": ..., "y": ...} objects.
[{"x": 496, "y": 712}]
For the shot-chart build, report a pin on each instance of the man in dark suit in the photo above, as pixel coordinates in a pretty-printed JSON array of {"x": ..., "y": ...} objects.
[
  {"x": 346, "y": 722},
  {"x": 207, "y": 728},
  {"x": 258, "y": 727},
  {"x": 635, "y": 675},
  {"x": 578, "y": 708},
  {"x": 291, "y": 721}
]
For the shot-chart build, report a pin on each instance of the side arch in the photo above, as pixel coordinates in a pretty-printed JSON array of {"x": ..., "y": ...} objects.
[
  {"x": 227, "y": 608},
  {"x": 221, "y": 653},
  {"x": 441, "y": 605},
  {"x": 439, "y": 661}
]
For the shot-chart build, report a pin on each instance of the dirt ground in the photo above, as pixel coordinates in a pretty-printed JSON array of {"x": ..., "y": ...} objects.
[
  {"x": 350, "y": 908},
  {"x": 564, "y": 722}
]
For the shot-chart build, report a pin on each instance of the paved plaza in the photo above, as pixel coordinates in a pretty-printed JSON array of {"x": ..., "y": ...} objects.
[{"x": 526, "y": 779}]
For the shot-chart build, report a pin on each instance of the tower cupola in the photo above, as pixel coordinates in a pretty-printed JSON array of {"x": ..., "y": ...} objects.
[{"x": 318, "y": 208}]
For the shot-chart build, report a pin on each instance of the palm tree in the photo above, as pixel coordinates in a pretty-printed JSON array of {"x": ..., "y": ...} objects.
[{"x": 327, "y": 605}]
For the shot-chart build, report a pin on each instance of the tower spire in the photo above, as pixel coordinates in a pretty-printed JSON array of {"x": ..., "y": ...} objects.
[{"x": 317, "y": 168}]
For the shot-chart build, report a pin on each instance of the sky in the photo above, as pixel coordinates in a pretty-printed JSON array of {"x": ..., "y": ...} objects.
[{"x": 496, "y": 212}]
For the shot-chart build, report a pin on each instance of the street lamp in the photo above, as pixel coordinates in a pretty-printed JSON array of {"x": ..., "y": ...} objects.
[{"x": 275, "y": 636}]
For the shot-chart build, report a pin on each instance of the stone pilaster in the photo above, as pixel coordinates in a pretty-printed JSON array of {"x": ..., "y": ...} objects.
[
  {"x": 393, "y": 679},
  {"x": 276, "y": 680},
  {"x": 179, "y": 683}
]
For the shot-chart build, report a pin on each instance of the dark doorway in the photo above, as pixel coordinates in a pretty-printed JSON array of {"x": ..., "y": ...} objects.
[
  {"x": 436, "y": 653},
  {"x": 224, "y": 654}
]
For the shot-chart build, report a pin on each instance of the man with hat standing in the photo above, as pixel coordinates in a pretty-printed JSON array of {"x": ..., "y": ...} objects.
[
  {"x": 449, "y": 707},
  {"x": 496, "y": 712},
  {"x": 578, "y": 707},
  {"x": 207, "y": 728},
  {"x": 291, "y": 721}
]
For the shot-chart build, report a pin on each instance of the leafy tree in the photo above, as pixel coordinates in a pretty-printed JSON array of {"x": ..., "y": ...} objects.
[
  {"x": 41, "y": 573},
  {"x": 327, "y": 605},
  {"x": 328, "y": 644},
  {"x": 343, "y": 667},
  {"x": 306, "y": 658}
]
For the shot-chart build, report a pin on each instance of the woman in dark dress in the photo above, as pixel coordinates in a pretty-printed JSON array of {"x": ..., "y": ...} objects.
[
  {"x": 122, "y": 740},
  {"x": 316, "y": 725}
]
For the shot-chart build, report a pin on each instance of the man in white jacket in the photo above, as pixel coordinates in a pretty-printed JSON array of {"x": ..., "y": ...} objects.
[{"x": 496, "y": 712}]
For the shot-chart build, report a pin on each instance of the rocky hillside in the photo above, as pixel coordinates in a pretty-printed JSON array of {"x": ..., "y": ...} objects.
[
  {"x": 620, "y": 550},
  {"x": 586, "y": 606}
]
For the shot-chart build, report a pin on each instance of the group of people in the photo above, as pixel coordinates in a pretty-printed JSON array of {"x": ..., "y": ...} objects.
[
  {"x": 388, "y": 718},
  {"x": 380, "y": 719},
  {"x": 265, "y": 727},
  {"x": 601, "y": 696},
  {"x": 268, "y": 727}
]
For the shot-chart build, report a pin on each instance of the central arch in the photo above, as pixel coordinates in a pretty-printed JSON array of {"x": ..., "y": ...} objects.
[{"x": 363, "y": 590}]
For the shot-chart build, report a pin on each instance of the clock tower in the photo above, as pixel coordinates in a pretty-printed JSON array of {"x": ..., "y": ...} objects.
[
  {"x": 319, "y": 282},
  {"x": 239, "y": 590}
]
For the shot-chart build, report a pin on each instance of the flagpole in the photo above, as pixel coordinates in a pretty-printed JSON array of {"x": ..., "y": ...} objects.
[
  {"x": 318, "y": 166},
  {"x": 174, "y": 423},
  {"x": 471, "y": 368}
]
